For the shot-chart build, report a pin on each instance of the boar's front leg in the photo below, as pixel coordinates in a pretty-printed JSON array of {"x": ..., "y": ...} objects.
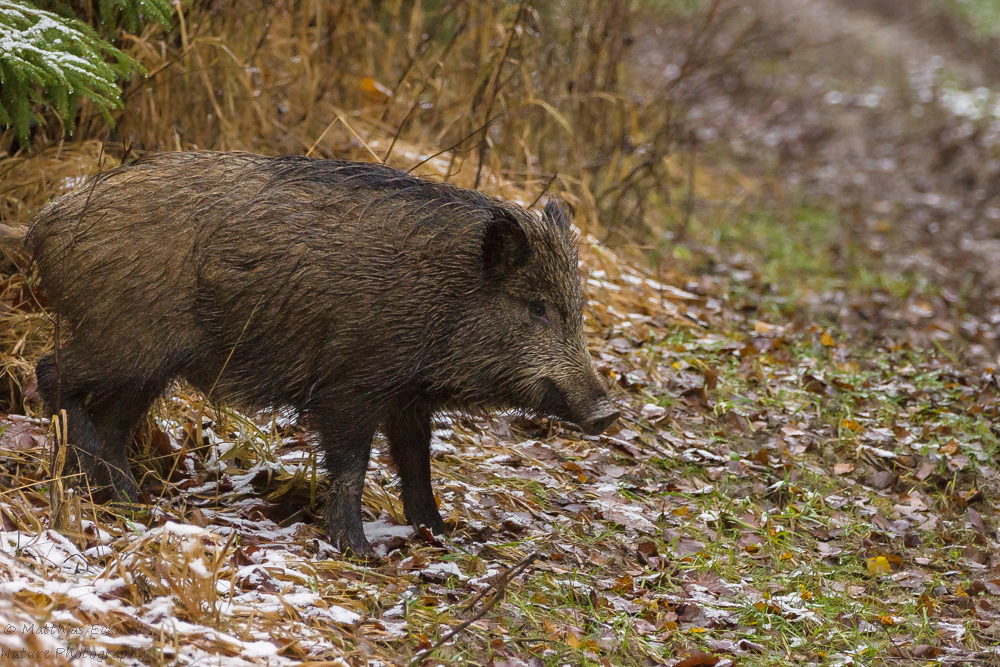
[
  {"x": 409, "y": 435},
  {"x": 346, "y": 449}
]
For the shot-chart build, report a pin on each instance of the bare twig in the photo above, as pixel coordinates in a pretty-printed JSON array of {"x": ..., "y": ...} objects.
[
  {"x": 496, "y": 86},
  {"x": 455, "y": 145},
  {"x": 689, "y": 200},
  {"x": 423, "y": 89},
  {"x": 499, "y": 587},
  {"x": 425, "y": 45},
  {"x": 548, "y": 184}
]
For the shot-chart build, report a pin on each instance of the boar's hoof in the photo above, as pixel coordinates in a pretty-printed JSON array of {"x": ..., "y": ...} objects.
[
  {"x": 353, "y": 545},
  {"x": 433, "y": 524},
  {"x": 361, "y": 551},
  {"x": 105, "y": 481},
  {"x": 426, "y": 514},
  {"x": 603, "y": 416},
  {"x": 344, "y": 525}
]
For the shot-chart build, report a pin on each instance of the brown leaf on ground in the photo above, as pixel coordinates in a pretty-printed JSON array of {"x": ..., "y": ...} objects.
[{"x": 699, "y": 660}]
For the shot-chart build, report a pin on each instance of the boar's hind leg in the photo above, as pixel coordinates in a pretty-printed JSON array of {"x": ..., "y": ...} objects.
[
  {"x": 409, "y": 435},
  {"x": 115, "y": 415},
  {"x": 87, "y": 454},
  {"x": 101, "y": 417},
  {"x": 346, "y": 452}
]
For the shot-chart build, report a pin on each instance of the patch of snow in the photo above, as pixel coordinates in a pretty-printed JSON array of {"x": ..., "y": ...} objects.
[
  {"x": 653, "y": 411},
  {"x": 181, "y": 529},
  {"x": 342, "y": 615},
  {"x": 447, "y": 569},
  {"x": 158, "y": 609},
  {"x": 883, "y": 453},
  {"x": 107, "y": 586},
  {"x": 382, "y": 529},
  {"x": 439, "y": 448},
  {"x": 259, "y": 650}
]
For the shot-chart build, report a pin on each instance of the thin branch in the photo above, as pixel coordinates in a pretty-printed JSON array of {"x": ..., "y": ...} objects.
[
  {"x": 496, "y": 86},
  {"x": 499, "y": 587},
  {"x": 548, "y": 184},
  {"x": 427, "y": 83},
  {"x": 456, "y": 144}
]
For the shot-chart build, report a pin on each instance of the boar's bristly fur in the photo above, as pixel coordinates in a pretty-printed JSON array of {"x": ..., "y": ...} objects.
[{"x": 361, "y": 296}]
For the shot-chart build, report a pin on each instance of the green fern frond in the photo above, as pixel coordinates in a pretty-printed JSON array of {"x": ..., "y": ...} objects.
[{"x": 47, "y": 60}]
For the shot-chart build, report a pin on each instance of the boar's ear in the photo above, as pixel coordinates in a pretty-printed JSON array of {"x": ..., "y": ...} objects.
[
  {"x": 555, "y": 211},
  {"x": 505, "y": 243}
]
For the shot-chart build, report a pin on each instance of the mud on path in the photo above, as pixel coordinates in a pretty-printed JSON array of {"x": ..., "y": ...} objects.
[{"x": 891, "y": 117}]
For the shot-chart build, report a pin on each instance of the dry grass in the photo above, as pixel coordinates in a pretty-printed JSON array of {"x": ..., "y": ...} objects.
[{"x": 542, "y": 96}]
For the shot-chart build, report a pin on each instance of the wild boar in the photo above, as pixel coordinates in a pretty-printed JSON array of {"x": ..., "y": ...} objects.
[{"x": 361, "y": 296}]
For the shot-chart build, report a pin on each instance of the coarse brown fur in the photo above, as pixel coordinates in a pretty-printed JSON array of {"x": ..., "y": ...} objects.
[{"x": 361, "y": 296}]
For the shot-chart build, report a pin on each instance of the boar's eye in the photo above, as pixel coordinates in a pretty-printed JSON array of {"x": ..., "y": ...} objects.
[{"x": 537, "y": 310}]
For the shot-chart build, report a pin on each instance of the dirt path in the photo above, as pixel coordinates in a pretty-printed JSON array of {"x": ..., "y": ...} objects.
[
  {"x": 893, "y": 105},
  {"x": 881, "y": 31},
  {"x": 891, "y": 118}
]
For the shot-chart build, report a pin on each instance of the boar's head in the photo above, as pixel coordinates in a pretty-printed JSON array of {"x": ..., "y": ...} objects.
[{"x": 526, "y": 322}]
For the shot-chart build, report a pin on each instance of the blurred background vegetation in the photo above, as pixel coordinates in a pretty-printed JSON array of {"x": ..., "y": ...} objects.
[{"x": 539, "y": 95}]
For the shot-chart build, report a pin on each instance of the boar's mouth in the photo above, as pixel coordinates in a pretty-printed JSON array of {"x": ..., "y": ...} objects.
[
  {"x": 554, "y": 402},
  {"x": 594, "y": 420},
  {"x": 600, "y": 418}
]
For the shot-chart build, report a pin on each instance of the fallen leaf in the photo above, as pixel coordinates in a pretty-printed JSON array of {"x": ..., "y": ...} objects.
[
  {"x": 765, "y": 328},
  {"x": 976, "y": 520},
  {"x": 925, "y": 470},
  {"x": 647, "y": 549},
  {"x": 974, "y": 554},
  {"x": 843, "y": 468},
  {"x": 850, "y": 424},
  {"x": 814, "y": 384},
  {"x": 374, "y": 88},
  {"x": 711, "y": 379},
  {"x": 926, "y": 651},
  {"x": 828, "y": 550},
  {"x": 738, "y": 422},
  {"x": 879, "y": 565},
  {"x": 699, "y": 660}
]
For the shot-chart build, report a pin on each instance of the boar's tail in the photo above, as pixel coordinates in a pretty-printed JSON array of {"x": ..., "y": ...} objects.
[{"x": 12, "y": 245}]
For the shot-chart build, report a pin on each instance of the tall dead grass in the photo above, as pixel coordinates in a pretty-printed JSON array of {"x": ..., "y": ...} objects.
[{"x": 540, "y": 94}]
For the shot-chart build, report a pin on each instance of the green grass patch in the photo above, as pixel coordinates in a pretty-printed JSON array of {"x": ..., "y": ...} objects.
[{"x": 982, "y": 15}]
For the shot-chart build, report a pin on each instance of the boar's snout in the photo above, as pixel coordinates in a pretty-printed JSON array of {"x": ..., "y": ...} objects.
[
  {"x": 600, "y": 418},
  {"x": 589, "y": 407}
]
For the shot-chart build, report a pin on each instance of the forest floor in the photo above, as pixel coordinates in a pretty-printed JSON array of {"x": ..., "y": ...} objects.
[{"x": 806, "y": 470}]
